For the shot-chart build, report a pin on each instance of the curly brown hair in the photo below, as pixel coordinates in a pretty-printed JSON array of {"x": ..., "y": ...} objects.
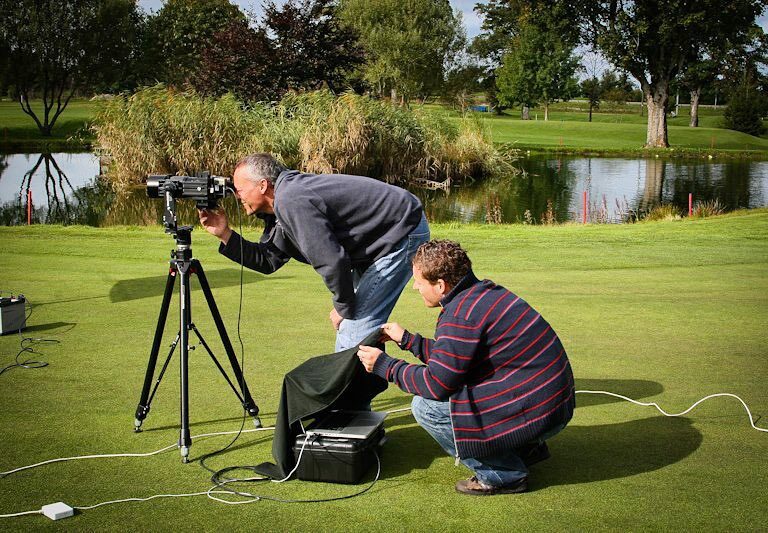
[{"x": 442, "y": 259}]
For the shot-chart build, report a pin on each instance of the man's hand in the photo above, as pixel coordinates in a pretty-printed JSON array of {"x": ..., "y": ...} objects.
[
  {"x": 215, "y": 222},
  {"x": 392, "y": 331},
  {"x": 335, "y": 318},
  {"x": 368, "y": 356}
]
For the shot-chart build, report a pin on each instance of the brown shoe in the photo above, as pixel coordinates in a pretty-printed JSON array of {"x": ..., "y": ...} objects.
[{"x": 475, "y": 487}]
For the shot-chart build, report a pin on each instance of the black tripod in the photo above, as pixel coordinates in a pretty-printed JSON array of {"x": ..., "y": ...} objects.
[{"x": 182, "y": 266}]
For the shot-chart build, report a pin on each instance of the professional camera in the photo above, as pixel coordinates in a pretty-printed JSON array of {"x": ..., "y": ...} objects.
[{"x": 203, "y": 188}]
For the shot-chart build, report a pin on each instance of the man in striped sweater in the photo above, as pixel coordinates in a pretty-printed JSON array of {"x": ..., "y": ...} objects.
[{"x": 495, "y": 382}]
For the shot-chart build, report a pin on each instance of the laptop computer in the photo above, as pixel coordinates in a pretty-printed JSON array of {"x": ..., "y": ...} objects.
[{"x": 347, "y": 424}]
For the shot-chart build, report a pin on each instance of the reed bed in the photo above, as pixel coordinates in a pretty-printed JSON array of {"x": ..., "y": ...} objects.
[{"x": 160, "y": 130}]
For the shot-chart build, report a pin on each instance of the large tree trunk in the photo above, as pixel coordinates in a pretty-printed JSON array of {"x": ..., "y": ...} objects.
[
  {"x": 657, "y": 96},
  {"x": 695, "y": 96},
  {"x": 546, "y": 111},
  {"x": 525, "y": 113}
]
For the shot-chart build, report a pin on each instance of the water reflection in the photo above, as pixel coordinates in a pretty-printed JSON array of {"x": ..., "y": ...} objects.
[
  {"x": 66, "y": 189},
  {"x": 39, "y": 189}
]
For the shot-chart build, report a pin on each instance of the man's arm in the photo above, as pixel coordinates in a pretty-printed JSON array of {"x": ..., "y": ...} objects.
[
  {"x": 452, "y": 355},
  {"x": 258, "y": 256},
  {"x": 419, "y": 346},
  {"x": 261, "y": 257}
]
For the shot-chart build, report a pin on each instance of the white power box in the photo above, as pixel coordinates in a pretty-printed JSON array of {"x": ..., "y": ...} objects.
[{"x": 57, "y": 511}]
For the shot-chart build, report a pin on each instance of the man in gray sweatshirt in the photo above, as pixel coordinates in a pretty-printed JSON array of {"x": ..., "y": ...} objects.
[{"x": 358, "y": 233}]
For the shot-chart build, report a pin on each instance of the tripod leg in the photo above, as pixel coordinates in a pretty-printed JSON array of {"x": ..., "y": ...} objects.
[
  {"x": 185, "y": 439},
  {"x": 144, "y": 402},
  {"x": 248, "y": 404}
]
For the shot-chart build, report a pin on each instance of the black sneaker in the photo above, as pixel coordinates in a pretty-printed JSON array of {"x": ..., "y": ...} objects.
[
  {"x": 475, "y": 487},
  {"x": 534, "y": 453}
]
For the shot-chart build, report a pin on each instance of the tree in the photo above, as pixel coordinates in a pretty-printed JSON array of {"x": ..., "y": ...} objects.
[
  {"x": 180, "y": 31},
  {"x": 539, "y": 68},
  {"x": 743, "y": 110},
  {"x": 699, "y": 74},
  {"x": 592, "y": 91},
  {"x": 408, "y": 43},
  {"x": 54, "y": 48},
  {"x": 239, "y": 59},
  {"x": 298, "y": 46},
  {"x": 655, "y": 40},
  {"x": 311, "y": 45},
  {"x": 591, "y": 88},
  {"x": 501, "y": 28}
]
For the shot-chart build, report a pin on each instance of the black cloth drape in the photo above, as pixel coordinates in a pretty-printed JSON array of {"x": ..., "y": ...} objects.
[{"x": 322, "y": 383}]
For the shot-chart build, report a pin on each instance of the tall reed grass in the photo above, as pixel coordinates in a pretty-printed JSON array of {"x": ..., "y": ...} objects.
[{"x": 159, "y": 130}]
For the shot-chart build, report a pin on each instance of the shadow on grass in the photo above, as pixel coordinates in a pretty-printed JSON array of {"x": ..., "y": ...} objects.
[
  {"x": 51, "y": 325},
  {"x": 631, "y": 388},
  {"x": 583, "y": 454},
  {"x": 580, "y": 454},
  {"x": 135, "y": 289}
]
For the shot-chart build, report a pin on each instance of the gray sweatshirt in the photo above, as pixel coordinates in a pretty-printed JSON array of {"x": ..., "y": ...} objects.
[{"x": 335, "y": 222}]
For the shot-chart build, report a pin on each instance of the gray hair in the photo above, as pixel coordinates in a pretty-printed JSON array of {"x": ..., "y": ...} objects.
[{"x": 261, "y": 166}]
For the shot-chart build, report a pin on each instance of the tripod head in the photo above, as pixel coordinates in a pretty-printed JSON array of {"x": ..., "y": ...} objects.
[{"x": 183, "y": 236}]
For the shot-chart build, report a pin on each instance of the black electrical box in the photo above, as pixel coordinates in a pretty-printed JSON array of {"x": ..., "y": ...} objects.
[
  {"x": 12, "y": 314},
  {"x": 337, "y": 459}
]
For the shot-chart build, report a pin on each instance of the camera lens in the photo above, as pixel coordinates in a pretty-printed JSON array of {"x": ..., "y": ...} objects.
[{"x": 154, "y": 184}]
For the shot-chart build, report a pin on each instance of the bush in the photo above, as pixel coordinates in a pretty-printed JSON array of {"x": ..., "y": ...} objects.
[
  {"x": 663, "y": 212},
  {"x": 159, "y": 130},
  {"x": 708, "y": 209},
  {"x": 743, "y": 112}
]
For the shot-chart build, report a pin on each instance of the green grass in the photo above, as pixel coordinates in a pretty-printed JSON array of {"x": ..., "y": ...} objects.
[
  {"x": 561, "y": 132},
  {"x": 659, "y": 311},
  {"x": 19, "y": 131},
  {"x": 616, "y": 130}
]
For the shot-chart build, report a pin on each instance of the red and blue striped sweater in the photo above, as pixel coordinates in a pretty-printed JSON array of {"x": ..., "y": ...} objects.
[{"x": 497, "y": 361}]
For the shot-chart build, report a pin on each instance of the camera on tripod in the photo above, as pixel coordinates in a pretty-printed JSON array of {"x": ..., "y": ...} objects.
[{"x": 203, "y": 188}]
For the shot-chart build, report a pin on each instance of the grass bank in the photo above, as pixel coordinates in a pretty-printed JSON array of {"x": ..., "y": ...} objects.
[
  {"x": 19, "y": 133},
  {"x": 665, "y": 311},
  {"x": 617, "y": 130}
]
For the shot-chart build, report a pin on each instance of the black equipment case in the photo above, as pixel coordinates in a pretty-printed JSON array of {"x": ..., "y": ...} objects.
[{"x": 337, "y": 459}]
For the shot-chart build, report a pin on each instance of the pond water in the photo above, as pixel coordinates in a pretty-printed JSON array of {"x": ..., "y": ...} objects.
[{"x": 65, "y": 188}]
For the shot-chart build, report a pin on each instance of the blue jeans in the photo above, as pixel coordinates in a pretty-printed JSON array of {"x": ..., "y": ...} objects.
[
  {"x": 377, "y": 290},
  {"x": 496, "y": 470}
]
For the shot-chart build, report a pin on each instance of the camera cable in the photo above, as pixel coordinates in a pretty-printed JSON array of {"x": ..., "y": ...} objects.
[{"x": 28, "y": 345}]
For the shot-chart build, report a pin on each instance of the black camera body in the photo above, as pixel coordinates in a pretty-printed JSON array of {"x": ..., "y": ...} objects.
[{"x": 203, "y": 188}]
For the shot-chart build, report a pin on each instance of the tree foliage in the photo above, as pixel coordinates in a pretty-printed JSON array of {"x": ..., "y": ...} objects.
[
  {"x": 503, "y": 22},
  {"x": 298, "y": 46},
  {"x": 743, "y": 112},
  {"x": 407, "y": 42},
  {"x": 180, "y": 31},
  {"x": 654, "y": 40},
  {"x": 539, "y": 68},
  {"x": 53, "y": 48}
]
